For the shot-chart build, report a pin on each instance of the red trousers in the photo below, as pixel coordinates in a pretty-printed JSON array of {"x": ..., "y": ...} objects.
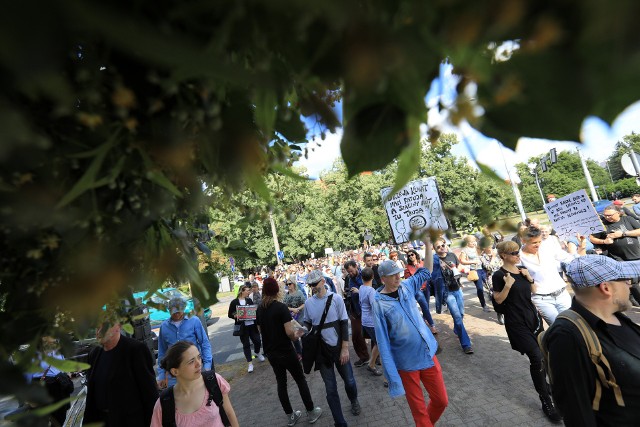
[{"x": 425, "y": 415}]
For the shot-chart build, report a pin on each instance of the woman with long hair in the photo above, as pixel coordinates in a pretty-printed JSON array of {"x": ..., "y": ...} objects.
[
  {"x": 470, "y": 257},
  {"x": 248, "y": 330},
  {"x": 413, "y": 264},
  {"x": 193, "y": 406},
  {"x": 278, "y": 331},
  {"x": 551, "y": 296},
  {"x": 512, "y": 288}
]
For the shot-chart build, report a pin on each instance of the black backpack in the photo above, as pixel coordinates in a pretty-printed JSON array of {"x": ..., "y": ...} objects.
[{"x": 168, "y": 402}]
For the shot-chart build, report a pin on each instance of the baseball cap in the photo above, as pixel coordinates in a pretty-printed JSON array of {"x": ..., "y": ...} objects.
[
  {"x": 618, "y": 202},
  {"x": 389, "y": 268},
  {"x": 314, "y": 277},
  {"x": 591, "y": 270},
  {"x": 176, "y": 305}
]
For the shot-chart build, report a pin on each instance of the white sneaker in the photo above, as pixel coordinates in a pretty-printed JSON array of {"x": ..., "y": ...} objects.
[
  {"x": 261, "y": 358},
  {"x": 250, "y": 369},
  {"x": 312, "y": 416}
]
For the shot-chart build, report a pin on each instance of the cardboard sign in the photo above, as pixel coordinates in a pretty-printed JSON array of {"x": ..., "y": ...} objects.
[
  {"x": 247, "y": 312},
  {"x": 416, "y": 207},
  {"x": 573, "y": 214}
]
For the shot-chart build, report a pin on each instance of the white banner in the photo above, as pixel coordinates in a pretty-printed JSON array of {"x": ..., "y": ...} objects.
[
  {"x": 416, "y": 207},
  {"x": 573, "y": 214}
]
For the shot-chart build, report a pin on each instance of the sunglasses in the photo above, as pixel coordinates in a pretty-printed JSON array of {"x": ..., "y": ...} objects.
[
  {"x": 411, "y": 255},
  {"x": 441, "y": 246},
  {"x": 374, "y": 259},
  {"x": 516, "y": 253},
  {"x": 313, "y": 285}
]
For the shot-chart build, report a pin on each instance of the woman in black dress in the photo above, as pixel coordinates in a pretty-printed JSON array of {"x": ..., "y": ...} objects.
[{"x": 512, "y": 288}]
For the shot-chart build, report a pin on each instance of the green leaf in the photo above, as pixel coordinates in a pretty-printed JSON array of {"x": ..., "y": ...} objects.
[
  {"x": 66, "y": 365},
  {"x": 409, "y": 159},
  {"x": 288, "y": 172},
  {"x": 489, "y": 173},
  {"x": 88, "y": 180},
  {"x": 293, "y": 129},
  {"x": 128, "y": 328},
  {"x": 373, "y": 137},
  {"x": 256, "y": 182},
  {"x": 158, "y": 177},
  {"x": 43, "y": 410},
  {"x": 266, "y": 102}
]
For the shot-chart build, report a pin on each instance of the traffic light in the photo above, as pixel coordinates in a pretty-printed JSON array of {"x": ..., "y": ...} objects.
[
  {"x": 543, "y": 165},
  {"x": 553, "y": 156}
]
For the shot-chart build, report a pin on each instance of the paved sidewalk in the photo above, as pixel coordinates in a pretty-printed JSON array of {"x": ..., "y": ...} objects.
[{"x": 489, "y": 388}]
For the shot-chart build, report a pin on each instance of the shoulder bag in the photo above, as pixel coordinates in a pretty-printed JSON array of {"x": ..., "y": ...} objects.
[{"x": 311, "y": 341}]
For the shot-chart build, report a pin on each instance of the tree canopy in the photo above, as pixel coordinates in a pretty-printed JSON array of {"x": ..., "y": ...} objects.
[{"x": 122, "y": 122}]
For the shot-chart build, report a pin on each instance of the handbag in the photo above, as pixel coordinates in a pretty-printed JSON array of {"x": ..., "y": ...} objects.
[
  {"x": 472, "y": 276},
  {"x": 312, "y": 341},
  {"x": 66, "y": 385},
  {"x": 237, "y": 329}
]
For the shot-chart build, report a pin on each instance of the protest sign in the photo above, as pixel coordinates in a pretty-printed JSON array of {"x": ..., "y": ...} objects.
[
  {"x": 247, "y": 312},
  {"x": 416, "y": 207},
  {"x": 573, "y": 214}
]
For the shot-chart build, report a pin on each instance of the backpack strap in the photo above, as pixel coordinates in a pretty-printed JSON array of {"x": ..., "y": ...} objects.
[
  {"x": 594, "y": 347},
  {"x": 215, "y": 394},
  {"x": 168, "y": 405}
]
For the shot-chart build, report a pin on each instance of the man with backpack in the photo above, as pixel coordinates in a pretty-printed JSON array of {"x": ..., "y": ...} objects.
[{"x": 593, "y": 350}]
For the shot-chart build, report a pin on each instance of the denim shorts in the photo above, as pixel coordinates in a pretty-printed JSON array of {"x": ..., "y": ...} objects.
[{"x": 370, "y": 333}]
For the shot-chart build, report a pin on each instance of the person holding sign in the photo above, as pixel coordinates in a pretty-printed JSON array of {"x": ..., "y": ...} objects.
[
  {"x": 248, "y": 330},
  {"x": 551, "y": 296}
]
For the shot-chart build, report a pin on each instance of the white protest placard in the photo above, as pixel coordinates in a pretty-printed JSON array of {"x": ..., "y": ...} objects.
[
  {"x": 416, "y": 207},
  {"x": 328, "y": 251},
  {"x": 573, "y": 214}
]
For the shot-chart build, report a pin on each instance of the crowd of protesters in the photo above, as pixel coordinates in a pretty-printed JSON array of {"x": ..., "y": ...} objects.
[{"x": 382, "y": 293}]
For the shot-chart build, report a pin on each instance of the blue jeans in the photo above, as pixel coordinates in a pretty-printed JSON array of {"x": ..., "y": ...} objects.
[
  {"x": 423, "y": 302},
  {"x": 482, "y": 278},
  {"x": 331, "y": 386},
  {"x": 455, "y": 302}
]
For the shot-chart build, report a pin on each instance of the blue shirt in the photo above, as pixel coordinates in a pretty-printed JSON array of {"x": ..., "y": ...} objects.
[
  {"x": 636, "y": 208},
  {"x": 367, "y": 299},
  {"x": 189, "y": 330},
  {"x": 404, "y": 341}
]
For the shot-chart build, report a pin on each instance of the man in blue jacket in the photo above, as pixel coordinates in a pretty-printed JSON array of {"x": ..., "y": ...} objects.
[
  {"x": 407, "y": 346},
  {"x": 177, "y": 328}
]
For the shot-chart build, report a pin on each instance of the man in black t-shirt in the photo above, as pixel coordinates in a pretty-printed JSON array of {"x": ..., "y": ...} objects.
[
  {"x": 620, "y": 240},
  {"x": 275, "y": 324},
  {"x": 601, "y": 287}
]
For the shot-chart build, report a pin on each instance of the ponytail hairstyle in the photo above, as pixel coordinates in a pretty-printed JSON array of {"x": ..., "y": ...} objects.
[{"x": 173, "y": 357}]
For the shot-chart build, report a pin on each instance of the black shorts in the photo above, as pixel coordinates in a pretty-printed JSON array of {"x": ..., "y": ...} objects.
[{"x": 369, "y": 332}]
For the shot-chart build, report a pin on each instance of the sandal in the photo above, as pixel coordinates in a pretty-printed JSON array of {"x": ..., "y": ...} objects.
[{"x": 374, "y": 371}]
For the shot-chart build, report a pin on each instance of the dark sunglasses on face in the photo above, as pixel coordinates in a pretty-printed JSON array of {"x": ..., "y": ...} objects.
[
  {"x": 516, "y": 253},
  {"x": 440, "y": 246},
  {"x": 313, "y": 285}
]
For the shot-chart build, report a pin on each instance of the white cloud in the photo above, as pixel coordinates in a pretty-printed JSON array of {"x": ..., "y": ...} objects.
[
  {"x": 322, "y": 154},
  {"x": 598, "y": 141}
]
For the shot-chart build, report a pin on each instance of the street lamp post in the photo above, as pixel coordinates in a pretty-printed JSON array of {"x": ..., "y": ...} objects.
[{"x": 533, "y": 170}]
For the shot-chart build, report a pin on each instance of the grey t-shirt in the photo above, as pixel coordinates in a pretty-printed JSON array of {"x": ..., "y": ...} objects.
[{"x": 313, "y": 309}]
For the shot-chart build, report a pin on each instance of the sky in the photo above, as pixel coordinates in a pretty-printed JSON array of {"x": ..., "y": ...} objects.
[{"x": 598, "y": 138}]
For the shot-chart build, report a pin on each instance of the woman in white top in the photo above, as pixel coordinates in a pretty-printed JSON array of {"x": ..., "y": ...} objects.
[
  {"x": 551, "y": 296},
  {"x": 471, "y": 258}
]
